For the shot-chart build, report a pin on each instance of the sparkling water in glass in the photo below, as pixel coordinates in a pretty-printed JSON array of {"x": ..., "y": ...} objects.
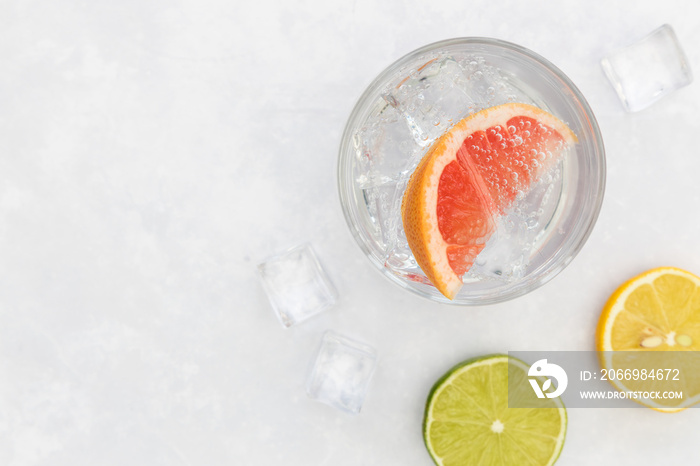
[{"x": 419, "y": 98}]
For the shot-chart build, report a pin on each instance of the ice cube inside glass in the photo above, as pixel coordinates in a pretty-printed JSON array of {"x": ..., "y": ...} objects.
[
  {"x": 341, "y": 373},
  {"x": 649, "y": 69},
  {"x": 297, "y": 285}
]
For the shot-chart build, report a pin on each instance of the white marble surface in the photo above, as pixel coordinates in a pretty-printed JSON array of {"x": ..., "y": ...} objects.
[{"x": 153, "y": 152}]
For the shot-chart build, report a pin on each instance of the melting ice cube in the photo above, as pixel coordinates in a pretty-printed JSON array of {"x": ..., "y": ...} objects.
[
  {"x": 341, "y": 373},
  {"x": 296, "y": 284}
]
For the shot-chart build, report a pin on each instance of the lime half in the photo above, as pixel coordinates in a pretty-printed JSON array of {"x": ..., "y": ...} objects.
[{"x": 467, "y": 419}]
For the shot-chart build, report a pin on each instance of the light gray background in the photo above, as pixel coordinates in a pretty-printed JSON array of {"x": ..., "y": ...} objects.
[{"x": 153, "y": 152}]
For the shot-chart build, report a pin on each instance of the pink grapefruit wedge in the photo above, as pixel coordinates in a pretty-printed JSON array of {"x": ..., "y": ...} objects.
[{"x": 470, "y": 176}]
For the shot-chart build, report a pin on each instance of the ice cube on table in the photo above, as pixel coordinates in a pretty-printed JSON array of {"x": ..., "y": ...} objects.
[
  {"x": 297, "y": 285},
  {"x": 341, "y": 373},
  {"x": 647, "y": 70}
]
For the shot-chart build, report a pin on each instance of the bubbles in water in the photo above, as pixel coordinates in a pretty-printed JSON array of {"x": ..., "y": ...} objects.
[{"x": 418, "y": 107}]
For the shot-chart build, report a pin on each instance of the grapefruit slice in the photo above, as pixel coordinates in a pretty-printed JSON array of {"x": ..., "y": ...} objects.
[{"x": 472, "y": 174}]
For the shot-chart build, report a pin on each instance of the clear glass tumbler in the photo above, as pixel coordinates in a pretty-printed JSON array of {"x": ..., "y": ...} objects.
[{"x": 419, "y": 97}]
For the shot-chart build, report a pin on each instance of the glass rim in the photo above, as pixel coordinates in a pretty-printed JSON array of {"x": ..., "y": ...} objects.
[{"x": 573, "y": 246}]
